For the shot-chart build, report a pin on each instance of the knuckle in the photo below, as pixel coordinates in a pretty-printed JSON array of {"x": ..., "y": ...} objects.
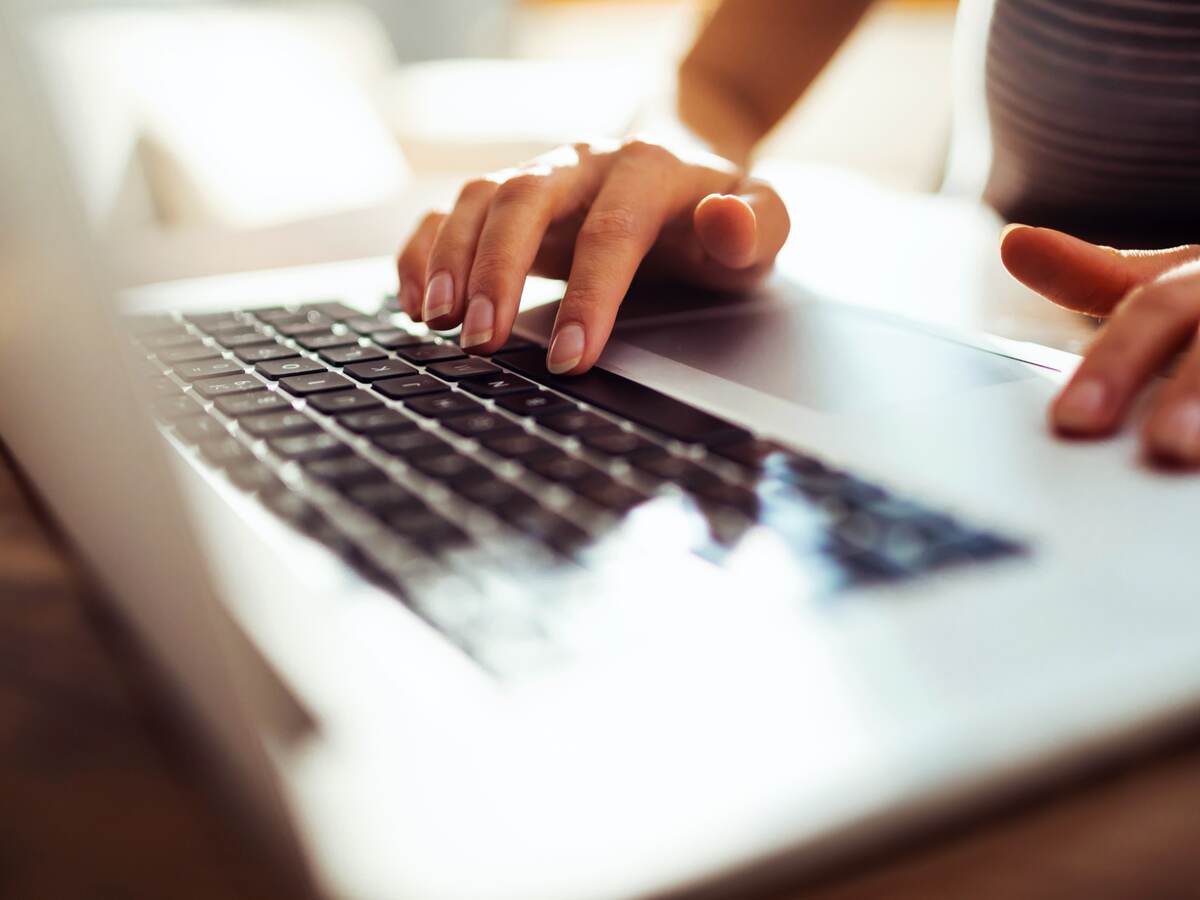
[
  {"x": 617, "y": 224},
  {"x": 475, "y": 190},
  {"x": 645, "y": 152},
  {"x": 525, "y": 187}
]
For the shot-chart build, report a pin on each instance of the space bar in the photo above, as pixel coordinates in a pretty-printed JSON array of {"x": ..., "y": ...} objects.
[{"x": 627, "y": 398}]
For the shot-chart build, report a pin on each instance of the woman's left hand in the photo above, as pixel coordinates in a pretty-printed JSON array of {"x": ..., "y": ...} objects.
[{"x": 1152, "y": 302}]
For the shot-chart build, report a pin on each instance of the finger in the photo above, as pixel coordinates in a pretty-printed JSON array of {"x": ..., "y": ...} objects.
[
  {"x": 410, "y": 264},
  {"x": 453, "y": 249},
  {"x": 1084, "y": 277},
  {"x": 623, "y": 223},
  {"x": 742, "y": 230},
  {"x": 1149, "y": 326},
  {"x": 1172, "y": 431}
]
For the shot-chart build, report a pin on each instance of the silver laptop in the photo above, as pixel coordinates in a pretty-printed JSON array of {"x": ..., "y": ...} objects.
[{"x": 779, "y": 581}]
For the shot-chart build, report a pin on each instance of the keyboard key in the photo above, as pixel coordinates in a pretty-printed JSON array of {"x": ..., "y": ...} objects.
[
  {"x": 443, "y": 405},
  {"x": 344, "y": 356},
  {"x": 379, "y": 421},
  {"x": 676, "y": 469},
  {"x": 327, "y": 341},
  {"x": 158, "y": 332},
  {"x": 723, "y": 494},
  {"x": 336, "y": 310},
  {"x": 250, "y": 338},
  {"x": 277, "y": 424},
  {"x": 224, "y": 452},
  {"x": 198, "y": 428},
  {"x": 158, "y": 342},
  {"x": 210, "y": 368},
  {"x": 541, "y": 403},
  {"x": 629, "y": 399},
  {"x": 305, "y": 447},
  {"x": 547, "y": 527},
  {"x": 171, "y": 408},
  {"x": 430, "y": 353},
  {"x": 343, "y": 401},
  {"x": 361, "y": 324},
  {"x": 752, "y": 453},
  {"x": 610, "y": 493},
  {"x": 271, "y": 313},
  {"x": 458, "y": 369},
  {"x": 560, "y": 467},
  {"x": 614, "y": 441},
  {"x": 253, "y": 476},
  {"x": 411, "y": 442},
  {"x": 428, "y": 530},
  {"x": 412, "y": 386},
  {"x": 380, "y": 369},
  {"x": 515, "y": 343},
  {"x": 186, "y": 353},
  {"x": 385, "y": 497},
  {"x": 290, "y": 507},
  {"x": 345, "y": 471},
  {"x": 264, "y": 353},
  {"x": 480, "y": 423},
  {"x": 498, "y": 385},
  {"x": 260, "y": 401},
  {"x": 215, "y": 322},
  {"x": 575, "y": 421},
  {"x": 494, "y": 493},
  {"x": 230, "y": 384},
  {"x": 394, "y": 339},
  {"x": 517, "y": 446},
  {"x": 318, "y": 383},
  {"x": 161, "y": 386},
  {"x": 450, "y": 466},
  {"x": 281, "y": 368}
]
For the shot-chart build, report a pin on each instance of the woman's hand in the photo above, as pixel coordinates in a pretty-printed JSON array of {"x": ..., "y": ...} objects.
[
  {"x": 1153, "y": 301},
  {"x": 596, "y": 216}
]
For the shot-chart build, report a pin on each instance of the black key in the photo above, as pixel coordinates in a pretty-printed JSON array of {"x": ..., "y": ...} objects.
[
  {"x": 379, "y": 421},
  {"x": 327, "y": 341},
  {"x": 363, "y": 324},
  {"x": 393, "y": 339},
  {"x": 248, "y": 404},
  {"x": 676, "y": 469},
  {"x": 380, "y": 369},
  {"x": 443, "y": 405},
  {"x": 194, "y": 352},
  {"x": 161, "y": 386},
  {"x": 233, "y": 330},
  {"x": 411, "y": 442},
  {"x": 168, "y": 340},
  {"x": 562, "y": 468},
  {"x": 277, "y": 424},
  {"x": 264, "y": 353},
  {"x": 305, "y": 447},
  {"x": 253, "y": 476},
  {"x": 199, "y": 428},
  {"x": 723, "y": 494},
  {"x": 230, "y": 384},
  {"x": 517, "y": 446},
  {"x": 458, "y": 369},
  {"x": 223, "y": 452},
  {"x": 615, "y": 442},
  {"x": 629, "y": 399},
  {"x": 480, "y": 424},
  {"x": 249, "y": 338},
  {"x": 300, "y": 329},
  {"x": 345, "y": 471},
  {"x": 753, "y": 453},
  {"x": 211, "y": 322},
  {"x": 450, "y": 466},
  {"x": 495, "y": 493},
  {"x": 411, "y": 386},
  {"x": 515, "y": 343},
  {"x": 498, "y": 385},
  {"x": 343, "y": 401},
  {"x": 344, "y": 356},
  {"x": 211, "y": 368},
  {"x": 541, "y": 403},
  {"x": 430, "y": 353},
  {"x": 427, "y": 529},
  {"x": 282, "y": 368},
  {"x": 574, "y": 421},
  {"x": 318, "y": 383},
  {"x": 172, "y": 408},
  {"x": 548, "y": 527},
  {"x": 610, "y": 493},
  {"x": 272, "y": 313},
  {"x": 381, "y": 498},
  {"x": 290, "y": 507},
  {"x": 336, "y": 310}
]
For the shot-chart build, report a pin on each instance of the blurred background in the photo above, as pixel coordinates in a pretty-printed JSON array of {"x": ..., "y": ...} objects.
[{"x": 226, "y": 137}]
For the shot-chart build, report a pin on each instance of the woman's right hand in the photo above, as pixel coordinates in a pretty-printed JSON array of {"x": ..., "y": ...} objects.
[{"x": 597, "y": 216}]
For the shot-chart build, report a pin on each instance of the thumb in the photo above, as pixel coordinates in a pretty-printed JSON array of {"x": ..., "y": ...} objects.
[
  {"x": 744, "y": 229},
  {"x": 1084, "y": 277}
]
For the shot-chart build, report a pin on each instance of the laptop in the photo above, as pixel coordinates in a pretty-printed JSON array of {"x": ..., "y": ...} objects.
[{"x": 780, "y": 581}]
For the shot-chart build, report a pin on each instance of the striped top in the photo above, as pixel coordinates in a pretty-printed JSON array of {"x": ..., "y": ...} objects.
[{"x": 1094, "y": 108}]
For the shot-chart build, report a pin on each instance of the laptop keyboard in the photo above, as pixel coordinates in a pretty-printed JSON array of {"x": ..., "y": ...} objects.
[{"x": 409, "y": 457}]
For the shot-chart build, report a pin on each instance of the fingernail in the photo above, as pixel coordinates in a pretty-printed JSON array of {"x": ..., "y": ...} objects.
[
  {"x": 566, "y": 349},
  {"x": 1179, "y": 434},
  {"x": 410, "y": 300},
  {"x": 1009, "y": 229},
  {"x": 478, "y": 322},
  {"x": 439, "y": 296},
  {"x": 1082, "y": 406}
]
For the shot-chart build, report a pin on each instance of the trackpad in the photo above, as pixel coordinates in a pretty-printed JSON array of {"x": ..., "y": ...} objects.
[{"x": 824, "y": 356}]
